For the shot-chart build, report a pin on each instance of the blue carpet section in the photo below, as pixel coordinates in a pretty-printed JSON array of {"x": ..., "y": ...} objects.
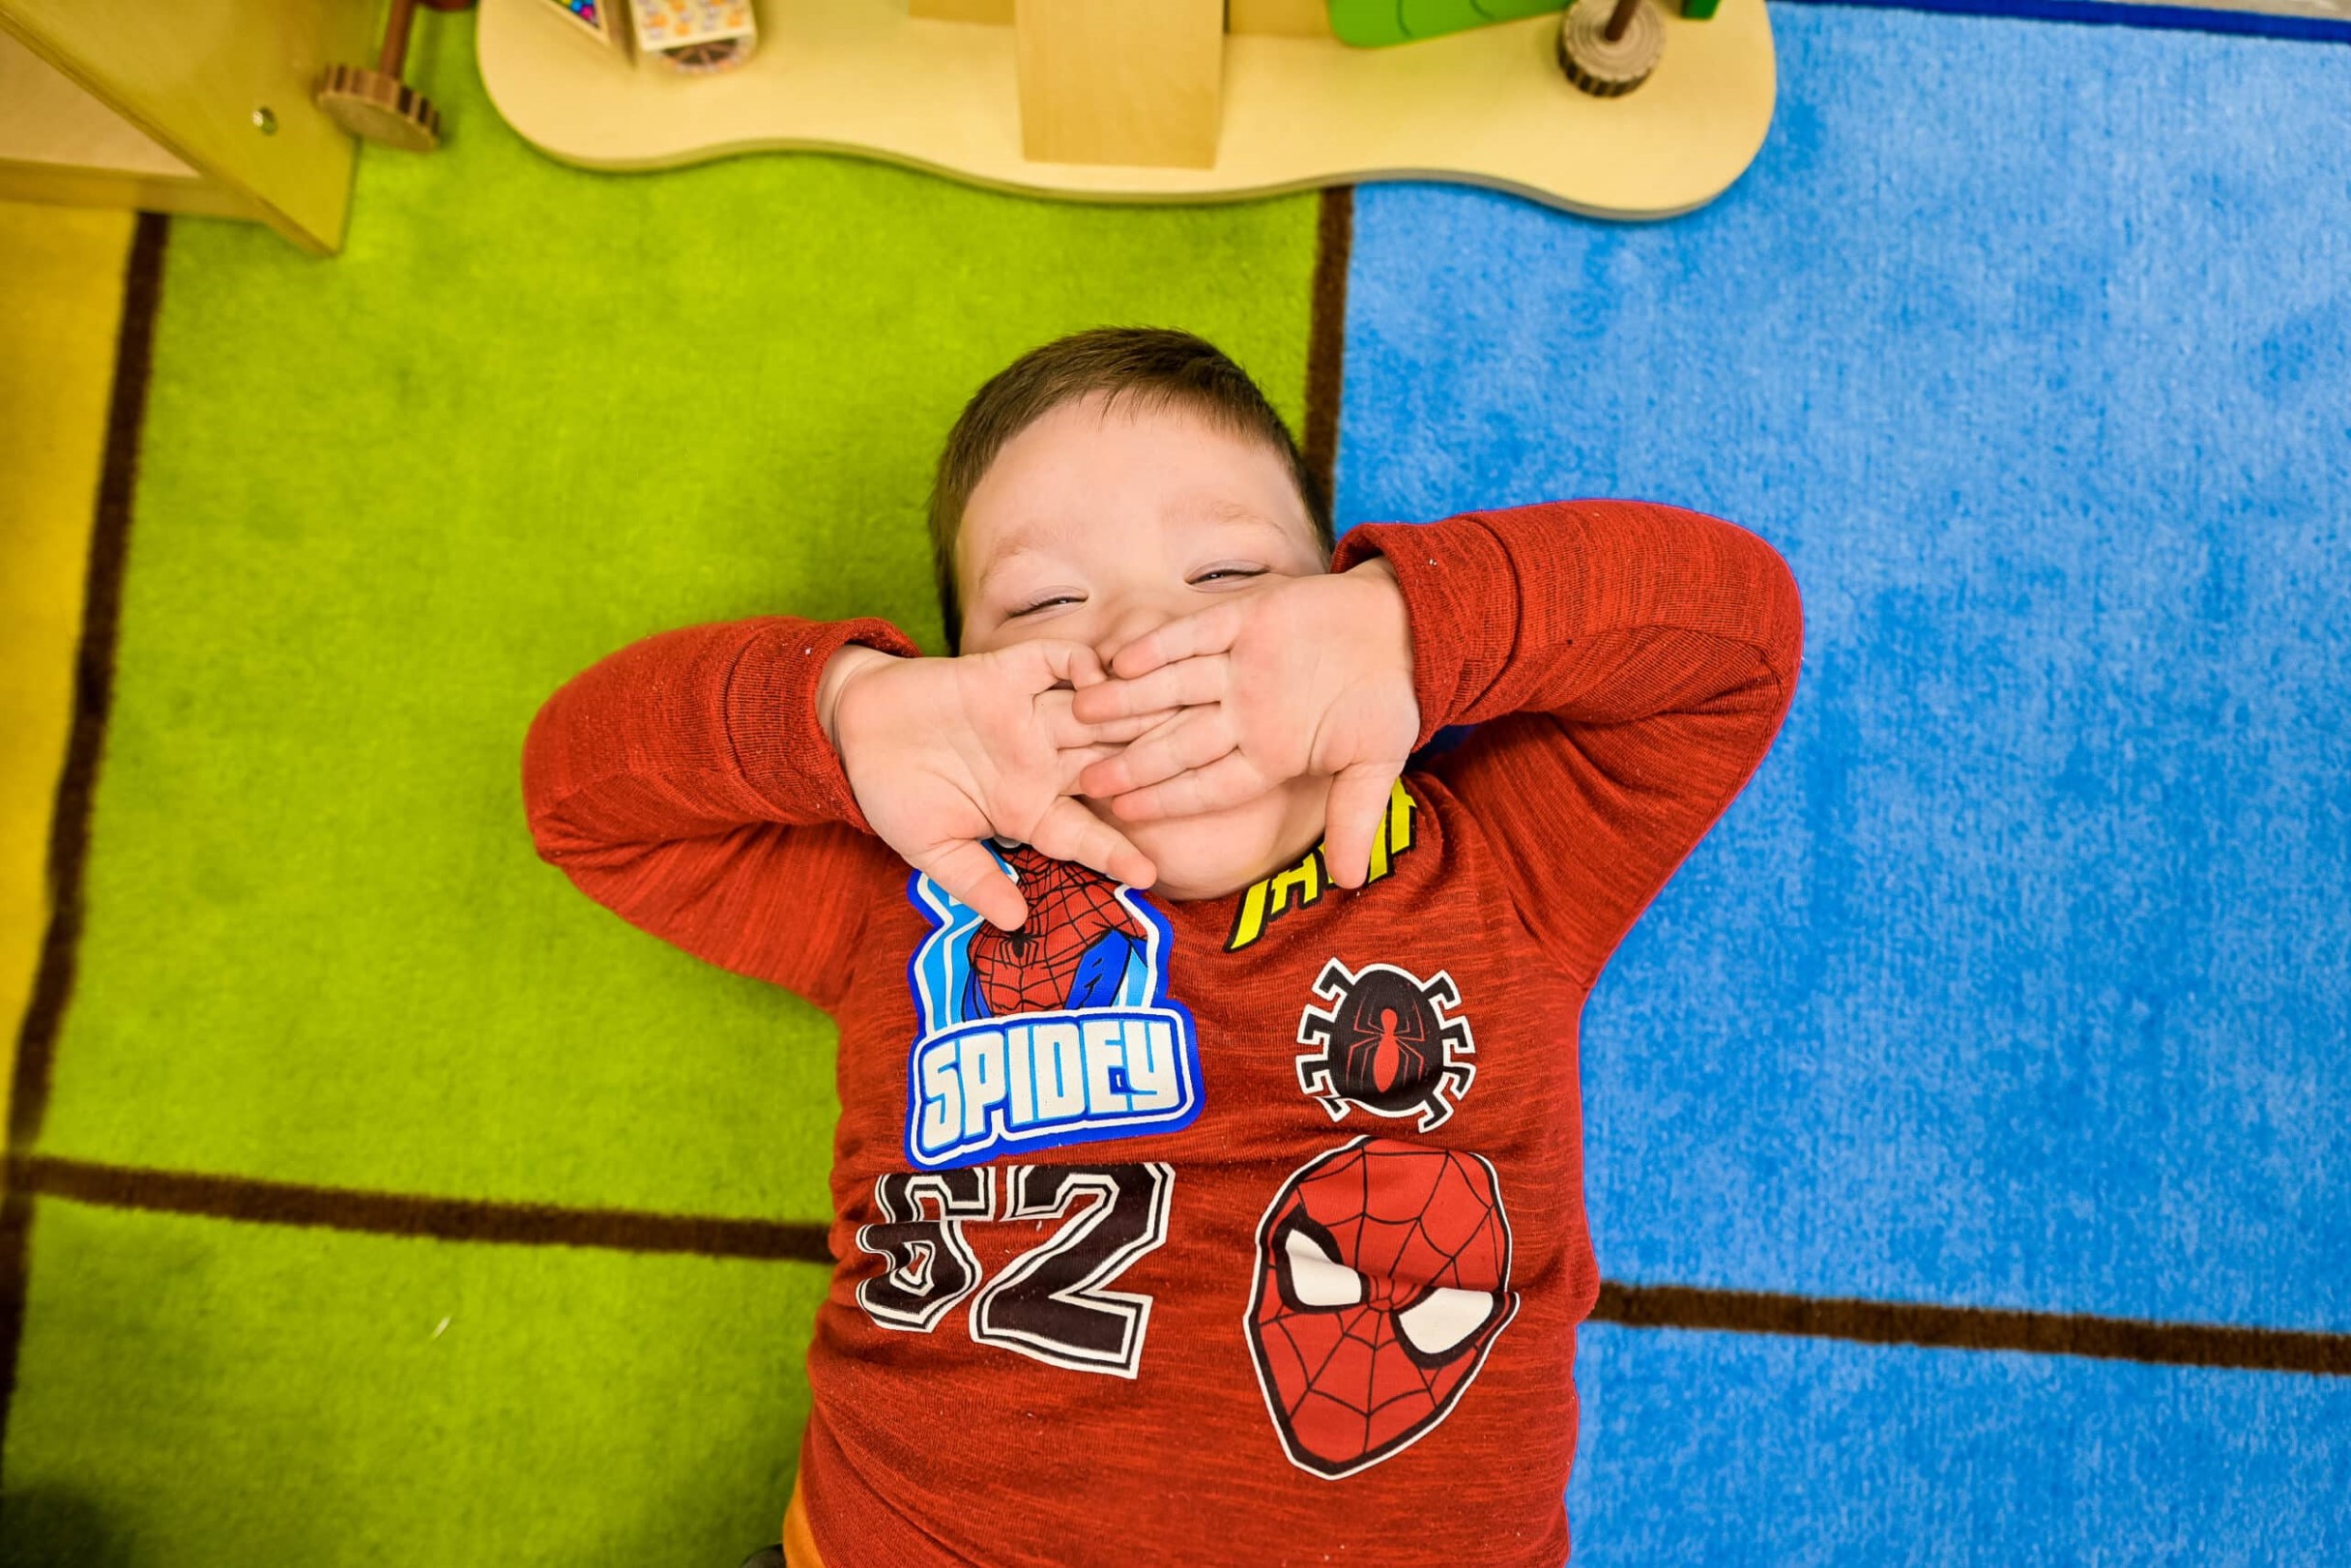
[
  {"x": 1812, "y": 1452},
  {"x": 2122, "y": 14},
  {"x": 2019, "y": 977}
]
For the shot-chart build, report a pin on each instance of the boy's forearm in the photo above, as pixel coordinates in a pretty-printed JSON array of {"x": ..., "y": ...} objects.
[
  {"x": 1597, "y": 612},
  {"x": 694, "y": 733}
]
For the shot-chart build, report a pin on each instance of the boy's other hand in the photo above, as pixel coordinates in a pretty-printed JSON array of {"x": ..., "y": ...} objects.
[
  {"x": 944, "y": 753},
  {"x": 1312, "y": 674}
]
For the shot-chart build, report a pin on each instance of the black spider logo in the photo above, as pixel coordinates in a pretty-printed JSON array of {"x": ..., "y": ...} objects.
[{"x": 1387, "y": 1044}]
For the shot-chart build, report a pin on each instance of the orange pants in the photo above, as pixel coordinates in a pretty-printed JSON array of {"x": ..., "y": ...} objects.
[{"x": 799, "y": 1547}]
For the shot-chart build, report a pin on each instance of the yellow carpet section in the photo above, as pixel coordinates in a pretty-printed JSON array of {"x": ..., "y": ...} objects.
[{"x": 58, "y": 314}]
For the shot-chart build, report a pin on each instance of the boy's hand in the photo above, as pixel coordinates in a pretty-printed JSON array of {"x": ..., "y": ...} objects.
[
  {"x": 1308, "y": 676},
  {"x": 944, "y": 753}
]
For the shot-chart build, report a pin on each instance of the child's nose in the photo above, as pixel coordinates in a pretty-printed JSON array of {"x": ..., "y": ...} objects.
[{"x": 1123, "y": 625}]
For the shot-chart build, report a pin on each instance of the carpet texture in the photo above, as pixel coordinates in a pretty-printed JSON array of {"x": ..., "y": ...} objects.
[
  {"x": 2018, "y": 978},
  {"x": 251, "y": 1394}
]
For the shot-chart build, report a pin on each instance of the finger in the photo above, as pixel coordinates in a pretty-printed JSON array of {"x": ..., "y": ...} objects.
[
  {"x": 1193, "y": 738},
  {"x": 1068, "y": 831},
  {"x": 1049, "y": 661},
  {"x": 1226, "y": 782},
  {"x": 969, "y": 873},
  {"x": 1188, "y": 681},
  {"x": 1118, "y": 732},
  {"x": 1073, "y": 764},
  {"x": 1210, "y": 631},
  {"x": 1065, "y": 729},
  {"x": 1358, "y": 800}
]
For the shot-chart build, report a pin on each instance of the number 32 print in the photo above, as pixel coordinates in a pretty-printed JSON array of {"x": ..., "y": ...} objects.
[{"x": 1053, "y": 1302}]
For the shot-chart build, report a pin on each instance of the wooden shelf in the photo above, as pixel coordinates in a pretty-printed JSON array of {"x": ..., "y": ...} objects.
[
  {"x": 60, "y": 144},
  {"x": 1487, "y": 107},
  {"x": 196, "y": 107}
]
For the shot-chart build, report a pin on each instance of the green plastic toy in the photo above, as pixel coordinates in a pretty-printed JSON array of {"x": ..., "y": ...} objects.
[
  {"x": 1370, "y": 24},
  {"x": 1374, "y": 23}
]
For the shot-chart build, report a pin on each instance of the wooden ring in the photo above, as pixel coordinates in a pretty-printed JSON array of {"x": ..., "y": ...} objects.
[{"x": 1605, "y": 69}]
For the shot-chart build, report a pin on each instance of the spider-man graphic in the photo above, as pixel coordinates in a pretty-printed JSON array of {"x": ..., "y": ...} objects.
[
  {"x": 1388, "y": 1044},
  {"x": 1061, "y": 1033},
  {"x": 1384, "y": 1279},
  {"x": 1073, "y": 952}
]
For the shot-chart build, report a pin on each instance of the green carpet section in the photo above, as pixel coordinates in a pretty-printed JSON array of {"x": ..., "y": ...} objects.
[
  {"x": 391, "y": 501},
  {"x": 196, "y": 1393}
]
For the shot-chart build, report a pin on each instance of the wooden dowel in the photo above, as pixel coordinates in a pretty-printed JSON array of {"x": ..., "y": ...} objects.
[
  {"x": 396, "y": 39},
  {"x": 1618, "y": 20}
]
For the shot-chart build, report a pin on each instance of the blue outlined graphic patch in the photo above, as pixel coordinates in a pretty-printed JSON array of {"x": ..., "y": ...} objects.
[{"x": 1061, "y": 1033}]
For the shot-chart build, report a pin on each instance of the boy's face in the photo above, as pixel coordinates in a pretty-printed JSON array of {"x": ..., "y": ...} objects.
[{"x": 1096, "y": 527}]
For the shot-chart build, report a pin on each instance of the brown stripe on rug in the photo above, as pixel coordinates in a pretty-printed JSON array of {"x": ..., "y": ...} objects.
[
  {"x": 405, "y": 1214},
  {"x": 1974, "y": 1329},
  {"x": 1633, "y": 1306},
  {"x": 93, "y": 680},
  {"x": 77, "y": 781},
  {"x": 1326, "y": 333}
]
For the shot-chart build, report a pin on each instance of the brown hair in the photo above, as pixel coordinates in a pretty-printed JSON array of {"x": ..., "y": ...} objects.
[{"x": 1155, "y": 367}]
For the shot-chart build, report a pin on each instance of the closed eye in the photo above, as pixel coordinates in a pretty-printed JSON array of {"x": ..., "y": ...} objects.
[
  {"x": 1227, "y": 574},
  {"x": 1045, "y": 604}
]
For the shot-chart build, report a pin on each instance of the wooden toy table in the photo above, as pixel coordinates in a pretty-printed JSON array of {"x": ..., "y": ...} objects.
[{"x": 1488, "y": 107}]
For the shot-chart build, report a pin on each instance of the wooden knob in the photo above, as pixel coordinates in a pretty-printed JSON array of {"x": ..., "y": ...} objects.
[
  {"x": 379, "y": 108},
  {"x": 1606, "y": 67}
]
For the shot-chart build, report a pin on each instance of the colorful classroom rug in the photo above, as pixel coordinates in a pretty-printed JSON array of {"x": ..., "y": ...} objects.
[{"x": 1969, "y": 1123}]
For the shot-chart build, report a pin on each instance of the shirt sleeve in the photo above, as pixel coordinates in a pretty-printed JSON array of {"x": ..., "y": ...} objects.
[
  {"x": 684, "y": 783},
  {"x": 1628, "y": 665}
]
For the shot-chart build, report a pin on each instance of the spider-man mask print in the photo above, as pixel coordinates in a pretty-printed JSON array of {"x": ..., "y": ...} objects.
[
  {"x": 1384, "y": 1279},
  {"x": 1072, "y": 952}
]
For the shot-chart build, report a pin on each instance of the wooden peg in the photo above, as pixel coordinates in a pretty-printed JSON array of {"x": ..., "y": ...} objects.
[
  {"x": 377, "y": 103},
  {"x": 1607, "y": 50}
]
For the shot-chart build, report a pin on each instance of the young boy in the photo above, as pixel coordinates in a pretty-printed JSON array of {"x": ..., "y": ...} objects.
[{"x": 1208, "y": 1183}]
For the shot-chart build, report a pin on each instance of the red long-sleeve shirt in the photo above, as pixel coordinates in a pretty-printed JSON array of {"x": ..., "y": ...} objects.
[{"x": 1244, "y": 1229}]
